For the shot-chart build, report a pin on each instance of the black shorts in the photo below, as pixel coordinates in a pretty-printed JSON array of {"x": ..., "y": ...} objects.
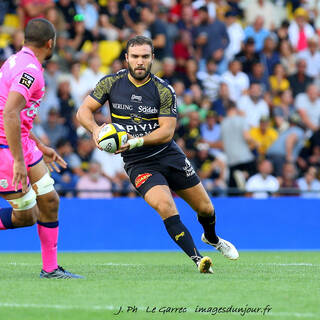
[{"x": 171, "y": 168}]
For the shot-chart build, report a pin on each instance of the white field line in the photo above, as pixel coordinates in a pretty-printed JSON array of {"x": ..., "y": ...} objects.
[
  {"x": 94, "y": 264},
  {"x": 290, "y": 264},
  {"x": 140, "y": 308}
]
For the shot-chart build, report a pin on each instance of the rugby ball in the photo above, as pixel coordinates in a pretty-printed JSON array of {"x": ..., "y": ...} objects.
[{"x": 111, "y": 137}]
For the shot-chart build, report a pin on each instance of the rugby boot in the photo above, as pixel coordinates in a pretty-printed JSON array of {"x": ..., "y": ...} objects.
[
  {"x": 59, "y": 273},
  {"x": 224, "y": 246}
]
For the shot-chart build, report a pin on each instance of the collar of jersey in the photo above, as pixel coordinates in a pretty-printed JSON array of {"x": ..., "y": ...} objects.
[
  {"x": 28, "y": 50},
  {"x": 139, "y": 85}
]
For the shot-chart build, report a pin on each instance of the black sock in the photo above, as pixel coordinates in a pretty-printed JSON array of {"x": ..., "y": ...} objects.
[
  {"x": 209, "y": 227},
  {"x": 182, "y": 237},
  {"x": 5, "y": 216}
]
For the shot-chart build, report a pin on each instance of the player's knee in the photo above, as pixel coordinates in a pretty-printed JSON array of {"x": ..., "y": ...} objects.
[
  {"x": 205, "y": 209},
  {"x": 164, "y": 206},
  {"x": 25, "y": 218},
  {"x": 52, "y": 203},
  {"x": 44, "y": 185}
]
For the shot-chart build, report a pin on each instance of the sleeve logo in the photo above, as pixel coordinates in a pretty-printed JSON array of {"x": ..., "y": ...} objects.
[{"x": 26, "y": 80}]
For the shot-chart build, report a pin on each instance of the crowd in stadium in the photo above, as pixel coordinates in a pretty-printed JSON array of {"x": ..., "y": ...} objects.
[{"x": 246, "y": 74}]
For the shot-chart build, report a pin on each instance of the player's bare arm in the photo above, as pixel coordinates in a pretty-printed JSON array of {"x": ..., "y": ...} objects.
[
  {"x": 86, "y": 118},
  {"x": 12, "y": 127},
  {"x": 50, "y": 156},
  {"x": 161, "y": 135}
]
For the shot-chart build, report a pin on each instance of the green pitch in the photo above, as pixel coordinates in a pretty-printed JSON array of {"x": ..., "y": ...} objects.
[{"x": 287, "y": 282}]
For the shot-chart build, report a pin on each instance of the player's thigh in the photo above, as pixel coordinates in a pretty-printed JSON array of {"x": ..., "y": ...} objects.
[
  {"x": 47, "y": 197},
  {"x": 197, "y": 197},
  {"x": 24, "y": 207},
  {"x": 159, "y": 198}
]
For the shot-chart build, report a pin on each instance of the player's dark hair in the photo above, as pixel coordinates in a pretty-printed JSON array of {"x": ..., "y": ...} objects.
[
  {"x": 139, "y": 41},
  {"x": 38, "y": 32}
]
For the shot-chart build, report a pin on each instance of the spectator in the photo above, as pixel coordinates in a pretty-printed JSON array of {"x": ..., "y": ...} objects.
[
  {"x": 263, "y": 8},
  {"x": 78, "y": 35},
  {"x": 114, "y": 16},
  {"x": 263, "y": 136},
  {"x": 66, "y": 179},
  {"x": 308, "y": 106},
  {"x": 210, "y": 169},
  {"x": 186, "y": 22},
  {"x": 186, "y": 107},
  {"x": 183, "y": 50},
  {"x": 258, "y": 75},
  {"x": 67, "y": 105},
  {"x": 64, "y": 53},
  {"x": 211, "y": 135},
  {"x": 179, "y": 89},
  {"x": 94, "y": 184},
  {"x": 257, "y": 32},
  {"x": 278, "y": 83},
  {"x": 220, "y": 104},
  {"x": 91, "y": 75},
  {"x": 190, "y": 77},
  {"x": 168, "y": 72},
  {"x": 112, "y": 169},
  {"x": 53, "y": 15},
  {"x": 299, "y": 80},
  {"x": 89, "y": 11},
  {"x": 288, "y": 181},
  {"x": 30, "y": 9},
  {"x": 288, "y": 145},
  {"x": 248, "y": 56},
  {"x": 53, "y": 127},
  {"x": 235, "y": 138},
  {"x": 237, "y": 81},
  {"x": 310, "y": 154},
  {"x": 262, "y": 183},
  {"x": 68, "y": 10},
  {"x": 283, "y": 110},
  {"x": 252, "y": 106},
  {"x": 300, "y": 30},
  {"x": 312, "y": 57},
  {"x": 210, "y": 80},
  {"x": 211, "y": 37},
  {"x": 85, "y": 150},
  {"x": 288, "y": 58},
  {"x": 309, "y": 185},
  {"x": 158, "y": 33},
  {"x": 269, "y": 56},
  {"x": 189, "y": 135},
  {"x": 15, "y": 45},
  {"x": 131, "y": 12},
  {"x": 235, "y": 33}
]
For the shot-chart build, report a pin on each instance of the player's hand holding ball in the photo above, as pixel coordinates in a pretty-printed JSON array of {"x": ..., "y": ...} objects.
[{"x": 111, "y": 137}]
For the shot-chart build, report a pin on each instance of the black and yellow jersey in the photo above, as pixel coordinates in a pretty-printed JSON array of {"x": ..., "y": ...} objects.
[{"x": 137, "y": 108}]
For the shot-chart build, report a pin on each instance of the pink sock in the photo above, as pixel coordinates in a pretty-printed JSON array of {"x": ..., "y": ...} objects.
[
  {"x": 2, "y": 227},
  {"x": 48, "y": 238}
]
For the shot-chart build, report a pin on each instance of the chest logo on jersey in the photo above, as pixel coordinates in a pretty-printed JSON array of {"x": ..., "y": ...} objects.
[
  {"x": 136, "y": 98},
  {"x": 136, "y": 118},
  {"x": 26, "y": 80}
]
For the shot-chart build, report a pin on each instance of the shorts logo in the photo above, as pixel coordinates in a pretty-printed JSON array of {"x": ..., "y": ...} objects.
[
  {"x": 26, "y": 80},
  {"x": 4, "y": 183},
  {"x": 141, "y": 179},
  {"x": 188, "y": 168}
]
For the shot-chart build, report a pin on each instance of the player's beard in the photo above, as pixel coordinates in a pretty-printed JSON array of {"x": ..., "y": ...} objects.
[{"x": 141, "y": 76}]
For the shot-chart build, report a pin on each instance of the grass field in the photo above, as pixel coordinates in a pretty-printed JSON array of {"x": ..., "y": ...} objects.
[{"x": 289, "y": 282}]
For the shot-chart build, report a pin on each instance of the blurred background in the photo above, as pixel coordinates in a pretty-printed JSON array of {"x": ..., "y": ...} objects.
[{"x": 246, "y": 74}]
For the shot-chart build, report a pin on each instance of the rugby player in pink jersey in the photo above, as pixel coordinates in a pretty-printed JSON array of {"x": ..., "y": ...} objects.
[{"x": 24, "y": 179}]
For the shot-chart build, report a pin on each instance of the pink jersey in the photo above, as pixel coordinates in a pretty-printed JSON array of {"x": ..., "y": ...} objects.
[{"x": 22, "y": 73}]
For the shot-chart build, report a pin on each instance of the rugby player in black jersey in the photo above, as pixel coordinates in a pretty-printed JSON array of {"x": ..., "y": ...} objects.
[{"x": 145, "y": 106}]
